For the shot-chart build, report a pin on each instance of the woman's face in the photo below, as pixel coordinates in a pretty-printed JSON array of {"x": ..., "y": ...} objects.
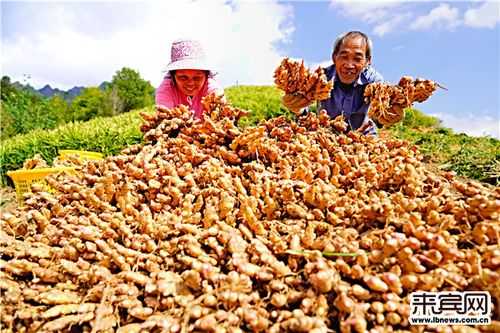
[{"x": 190, "y": 81}]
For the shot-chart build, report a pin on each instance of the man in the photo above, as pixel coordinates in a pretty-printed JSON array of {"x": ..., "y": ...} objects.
[{"x": 352, "y": 72}]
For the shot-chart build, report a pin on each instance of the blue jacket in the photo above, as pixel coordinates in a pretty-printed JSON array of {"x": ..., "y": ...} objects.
[{"x": 350, "y": 101}]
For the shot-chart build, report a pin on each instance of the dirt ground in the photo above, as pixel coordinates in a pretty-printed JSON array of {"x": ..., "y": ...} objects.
[{"x": 7, "y": 199}]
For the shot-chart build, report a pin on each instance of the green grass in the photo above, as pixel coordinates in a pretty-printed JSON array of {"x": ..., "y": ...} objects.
[
  {"x": 264, "y": 102},
  {"x": 105, "y": 135},
  {"x": 473, "y": 157},
  {"x": 468, "y": 156}
]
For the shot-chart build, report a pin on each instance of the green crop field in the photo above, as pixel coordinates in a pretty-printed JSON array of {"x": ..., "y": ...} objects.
[{"x": 473, "y": 157}]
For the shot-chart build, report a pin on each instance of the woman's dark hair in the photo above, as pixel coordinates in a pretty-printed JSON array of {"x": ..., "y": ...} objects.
[
  {"x": 341, "y": 38},
  {"x": 209, "y": 74}
]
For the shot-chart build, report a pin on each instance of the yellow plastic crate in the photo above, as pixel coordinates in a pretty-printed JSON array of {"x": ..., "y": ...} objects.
[
  {"x": 84, "y": 155},
  {"x": 24, "y": 178}
]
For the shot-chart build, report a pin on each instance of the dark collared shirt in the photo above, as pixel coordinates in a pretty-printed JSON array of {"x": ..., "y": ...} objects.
[{"x": 349, "y": 99}]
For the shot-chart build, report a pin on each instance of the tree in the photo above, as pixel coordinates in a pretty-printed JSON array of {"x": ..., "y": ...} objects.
[
  {"x": 59, "y": 107},
  {"x": 7, "y": 122},
  {"x": 24, "y": 111},
  {"x": 132, "y": 91},
  {"x": 89, "y": 104},
  {"x": 114, "y": 104},
  {"x": 6, "y": 88}
]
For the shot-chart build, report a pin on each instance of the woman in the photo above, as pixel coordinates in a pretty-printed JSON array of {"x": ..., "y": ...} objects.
[{"x": 189, "y": 78}]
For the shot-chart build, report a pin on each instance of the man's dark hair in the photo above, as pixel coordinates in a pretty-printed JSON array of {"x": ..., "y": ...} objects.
[{"x": 342, "y": 37}]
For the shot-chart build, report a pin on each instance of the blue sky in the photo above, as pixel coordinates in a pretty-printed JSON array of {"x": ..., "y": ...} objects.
[{"x": 70, "y": 43}]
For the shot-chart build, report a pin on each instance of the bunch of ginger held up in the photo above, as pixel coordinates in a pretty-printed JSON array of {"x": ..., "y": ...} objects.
[
  {"x": 301, "y": 86},
  {"x": 388, "y": 102},
  {"x": 211, "y": 227}
]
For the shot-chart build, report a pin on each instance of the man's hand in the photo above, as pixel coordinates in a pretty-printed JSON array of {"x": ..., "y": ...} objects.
[
  {"x": 295, "y": 103},
  {"x": 367, "y": 128}
]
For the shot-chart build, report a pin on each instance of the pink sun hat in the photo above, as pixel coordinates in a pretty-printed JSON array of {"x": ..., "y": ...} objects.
[{"x": 188, "y": 54}]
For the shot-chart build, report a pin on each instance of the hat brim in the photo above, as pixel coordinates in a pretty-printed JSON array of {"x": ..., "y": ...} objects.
[{"x": 189, "y": 64}]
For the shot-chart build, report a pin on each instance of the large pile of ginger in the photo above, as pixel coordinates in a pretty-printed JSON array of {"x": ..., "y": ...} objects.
[{"x": 208, "y": 227}]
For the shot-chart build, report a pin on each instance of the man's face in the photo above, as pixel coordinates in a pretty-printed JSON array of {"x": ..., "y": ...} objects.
[{"x": 351, "y": 59}]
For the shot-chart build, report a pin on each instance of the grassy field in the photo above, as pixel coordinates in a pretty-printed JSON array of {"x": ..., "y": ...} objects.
[
  {"x": 473, "y": 157},
  {"x": 106, "y": 135},
  {"x": 468, "y": 156}
]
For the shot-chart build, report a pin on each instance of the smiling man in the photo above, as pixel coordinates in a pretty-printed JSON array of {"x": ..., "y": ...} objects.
[{"x": 352, "y": 72}]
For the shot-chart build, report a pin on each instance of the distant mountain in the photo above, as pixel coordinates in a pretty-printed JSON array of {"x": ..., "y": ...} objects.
[
  {"x": 104, "y": 85},
  {"x": 75, "y": 91},
  {"x": 26, "y": 87},
  {"x": 48, "y": 91}
]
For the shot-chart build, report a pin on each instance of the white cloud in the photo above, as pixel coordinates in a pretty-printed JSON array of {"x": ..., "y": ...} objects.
[
  {"x": 442, "y": 16},
  {"x": 386, "y": 16},
  {"x": 390, "y": 25},
  {"x": 475, "y": 125},
  {"x": 69, "y": 44},
  {"x": 485, "y": 16},
  {"x": 369, "y": 11}
]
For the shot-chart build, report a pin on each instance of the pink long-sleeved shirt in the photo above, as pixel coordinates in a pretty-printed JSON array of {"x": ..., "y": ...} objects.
[{"x": 170, "y": 96}]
